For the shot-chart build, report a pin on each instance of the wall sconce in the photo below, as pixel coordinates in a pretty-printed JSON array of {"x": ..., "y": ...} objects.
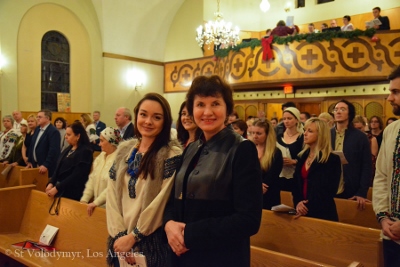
[
  {"x": 138, "y": 86},
  {"x": 287, "y": 9}
]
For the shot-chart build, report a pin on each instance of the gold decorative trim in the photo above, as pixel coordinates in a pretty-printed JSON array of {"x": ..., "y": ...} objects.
[{"x": 135, "y": 59}]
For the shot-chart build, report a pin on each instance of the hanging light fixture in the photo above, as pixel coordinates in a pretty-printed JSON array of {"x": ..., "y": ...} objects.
[
  {"x": 218, "y": 32},
  {"x": 265, "y": 5}
]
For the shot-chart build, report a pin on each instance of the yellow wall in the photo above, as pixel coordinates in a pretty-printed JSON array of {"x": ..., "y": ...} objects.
[{"x": 33, "y": 26}]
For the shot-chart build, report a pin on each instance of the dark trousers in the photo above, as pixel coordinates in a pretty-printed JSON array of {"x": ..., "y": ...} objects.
[{"x": 391, "y": 253}]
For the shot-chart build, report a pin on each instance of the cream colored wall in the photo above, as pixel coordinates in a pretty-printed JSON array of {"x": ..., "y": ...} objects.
[
  {"x": 33, "y": 26},
  {"x": 181, "y": 45},
  {"x": 22, "y": 26},
  {"x": 120, "y": 93},
  {"x": 175, "y": 100}
]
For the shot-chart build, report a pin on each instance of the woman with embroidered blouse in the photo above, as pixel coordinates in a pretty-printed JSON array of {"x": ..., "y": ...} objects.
[
  {"x": 142, "y": 178},
  {"x": 96, "y": 186},
  {"x": 8, "y": 137}
]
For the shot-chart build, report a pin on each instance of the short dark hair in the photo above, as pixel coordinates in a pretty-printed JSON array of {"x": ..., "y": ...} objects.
[
  {"x": 347, "y": 17},
  {"x": 210, "y": 86},
  {"x": 307, "y": 114},
  {"x": 377, "y": 8},
  {"x": 325, "y": 25},
  {"x": 64, "y": 122},
  {"x": 311, "y": 24},
  {"x": 281, "y": 23},
  {"x": 47, "y": 113},
  {"x": 242, "y": 126},
  {"x": 395, "y": 73},
  {"x": 288, "y": 105},
  {"x": 391, "y": 119},
  {"x": 148, "y": 162},
  {"x": 352, "y": 110},
  {"x": 78, "y": 129},
  {"x": 274, "y": 119}
]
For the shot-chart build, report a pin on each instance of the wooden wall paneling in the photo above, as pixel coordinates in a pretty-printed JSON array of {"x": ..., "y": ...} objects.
[{"x": 241, "y": 112}]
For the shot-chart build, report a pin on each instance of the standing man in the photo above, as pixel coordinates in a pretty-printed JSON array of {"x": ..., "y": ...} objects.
[
  {"x": 99, "y": 126},
  {"x": 386, "y": 189},
  {"x": 17, "y": 115},
  {"x": 123, "y": 119},
  {"x": 304, "y": 116},
  {"x": 356, "y": 172},
  {"x": 45, "y": 145},
  {"x": 376, "y": 12}
]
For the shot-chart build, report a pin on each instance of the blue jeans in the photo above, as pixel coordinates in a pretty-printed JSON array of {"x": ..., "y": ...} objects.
[{"x": 391, "y": 253}]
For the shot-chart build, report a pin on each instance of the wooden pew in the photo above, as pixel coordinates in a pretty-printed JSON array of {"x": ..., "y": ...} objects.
[
  {"x": 347, "y": 211},
  {"x": 21, "y": 176},
  {"x": 329, "y": 242},
  {"x": 80, "y": 241},
  {"x": 261, "y": 257},
  {"x": 369, "y": 194}
]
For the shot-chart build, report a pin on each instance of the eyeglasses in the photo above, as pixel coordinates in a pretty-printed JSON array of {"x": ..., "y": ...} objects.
[{"x": 341, "y": 109}]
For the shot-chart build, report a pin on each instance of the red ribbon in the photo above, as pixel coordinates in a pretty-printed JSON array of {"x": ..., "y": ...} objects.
[{"x": 267, "y": 48}]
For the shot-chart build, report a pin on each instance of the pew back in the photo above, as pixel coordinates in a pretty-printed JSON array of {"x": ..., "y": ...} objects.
[
  {"x": 333, "y": 243},
  {"x": 347, "y": 211},
  {"x": 21, "y": 176},
  {"x": 81, "y": 239}
]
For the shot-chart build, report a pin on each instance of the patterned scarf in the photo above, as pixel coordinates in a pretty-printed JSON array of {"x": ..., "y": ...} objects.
[{"x": 395, "y": 201}]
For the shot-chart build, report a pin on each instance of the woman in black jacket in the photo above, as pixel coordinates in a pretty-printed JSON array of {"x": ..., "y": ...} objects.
[
  {"x": 317, "y": 173},
  {"x": 73, "y": 165},
  {"x": 216, "y": 203}
]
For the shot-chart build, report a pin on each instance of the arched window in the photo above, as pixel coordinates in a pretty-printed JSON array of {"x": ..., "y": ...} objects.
[{"x": 55, "y": 68}]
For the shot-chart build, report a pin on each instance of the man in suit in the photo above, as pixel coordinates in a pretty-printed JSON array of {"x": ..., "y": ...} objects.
[
  {"x": 123, "y": 119},
  {"x": 100, "y": 126},
  {"x": 356, "y": 173},
  {"x": 384, "y": 20},
  {"x": 45, "y": 145}
]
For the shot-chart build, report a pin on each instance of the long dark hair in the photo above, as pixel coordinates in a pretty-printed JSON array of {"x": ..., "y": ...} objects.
[
  {"x": 78, "y": 129},
  {"x": 183, "y": 134},
  {"x": 147, "y": 164}
]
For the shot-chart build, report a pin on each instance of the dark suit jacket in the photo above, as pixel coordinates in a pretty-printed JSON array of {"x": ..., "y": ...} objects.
[
  {"x": 357, "y": 173},
  {"x": 322, "y": 185},
  {"x": 72, "y": 172},
  {"x": 99, "y": 128},
  {"x": 385, "y": 23},
  {"x": 129, "y": 132},
  {"x": 47, "y": 149}
]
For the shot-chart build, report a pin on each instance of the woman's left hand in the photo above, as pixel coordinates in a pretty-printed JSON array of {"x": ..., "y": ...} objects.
[
  {"x": 264, "y": 188},
  {"x": 52, "y": 192},
  {"x": 124, "y": 243},
  {"x": 301, "y": 208}
]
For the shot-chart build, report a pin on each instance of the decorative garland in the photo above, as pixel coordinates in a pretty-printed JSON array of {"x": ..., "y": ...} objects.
[{"x": 309, "y": 37}]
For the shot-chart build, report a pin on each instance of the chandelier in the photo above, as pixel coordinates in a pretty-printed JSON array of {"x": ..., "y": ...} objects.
[{"x": 218, "y": 32}]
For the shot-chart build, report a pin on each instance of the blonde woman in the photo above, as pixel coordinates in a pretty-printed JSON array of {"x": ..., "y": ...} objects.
[
  {"x": 328, "y": 118},
  {"x": 271, "y": 162},
  {"x": 89, "y": 127},
  {"x": 317, "y": 173}
]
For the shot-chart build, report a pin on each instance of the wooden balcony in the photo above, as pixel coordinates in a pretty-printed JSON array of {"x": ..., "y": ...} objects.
[{"x": 339, "y": 61}]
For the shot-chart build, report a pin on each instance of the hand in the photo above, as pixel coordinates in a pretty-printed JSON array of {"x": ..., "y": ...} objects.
[
  {"x": 264, "y": 188},
  {"x": 25, "y": 160},
  {"x": 90, "y": 208},
  {"x": 386, "y": 224},
  {"x": 52, "y": 192},
  {"x": 124, "y": 243},
  {"x": 361, "y": 202},
  {"x": 49, "y": 186},
  {"x": 42, "y": 169},
  {"x": 175, "y": 235},
  {"x": 5, "y": 163},
  {"x": 301, "y": 209},
  {"x": 14, "y": 164},
  {"x": 395, "y": 230},
  {"x": 129, "y": 258},
  {"x": 288, "y": 161},
  {"x": 28, "y": 165}
]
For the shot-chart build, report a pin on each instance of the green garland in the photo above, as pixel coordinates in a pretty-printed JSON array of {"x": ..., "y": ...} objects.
[{"x": 309, "y": 37}]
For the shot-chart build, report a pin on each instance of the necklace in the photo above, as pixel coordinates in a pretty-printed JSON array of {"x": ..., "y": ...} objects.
[
  {"x": 70, "y": 152},
  {"x": 287, "y": 133},
  {"x": 310, "y": 160}
]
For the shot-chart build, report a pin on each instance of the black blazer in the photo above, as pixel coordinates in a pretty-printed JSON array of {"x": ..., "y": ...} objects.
[
  {"x": 357, "y": 173},
  {"x": 322, "y": 185},
  {"x": 385, "y": 23},
  {"x": 72, "y": 172},
  {"x": 129, "y": 132},
  {"x": 100, "y": 127},
  {"x": 47, "y": 149}
]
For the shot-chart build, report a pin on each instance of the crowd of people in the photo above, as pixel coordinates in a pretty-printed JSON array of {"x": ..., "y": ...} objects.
[
  {"x": 282, "y": 29},
  {"x": 175, "y": 197}
]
